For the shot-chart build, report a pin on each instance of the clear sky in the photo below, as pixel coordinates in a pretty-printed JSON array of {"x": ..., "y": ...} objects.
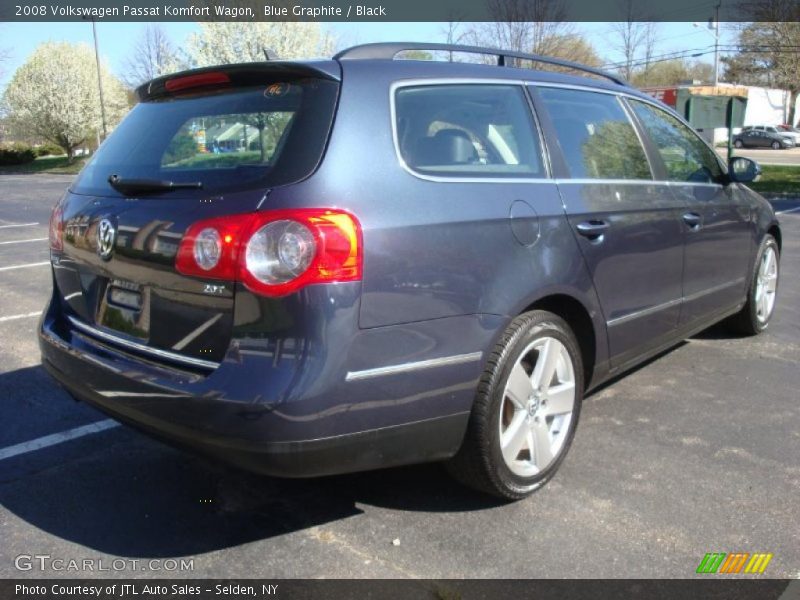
[{"x": 116, "y": 39}]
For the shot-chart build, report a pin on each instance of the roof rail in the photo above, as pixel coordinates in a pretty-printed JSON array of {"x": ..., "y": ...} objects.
[{"x": 388, "y": 50}]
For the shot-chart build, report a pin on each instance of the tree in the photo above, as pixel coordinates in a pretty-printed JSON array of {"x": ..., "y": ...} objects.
[
  {"x": 633, "y": 35},
  {"x": 533, "y": 26},
  {"x": 673, "y": 72},
  {"x": 451, "y": 32},
  {"x": 238, "y": 41},
  {"x": 769, "y": 50},
  {"x": 5, "y": 54},
  {"x": 522, "y": 25},
  {"x": 572, "y": 47},
  {"x": 152, "y": 55},
  {"x": 614, "y": 151},
  {"x": 649, "y": 43},
  {"x": 54, "y": 95}
]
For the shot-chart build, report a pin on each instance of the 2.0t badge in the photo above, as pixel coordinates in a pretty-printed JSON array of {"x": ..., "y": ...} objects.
[{"x": 106, "y": 234}]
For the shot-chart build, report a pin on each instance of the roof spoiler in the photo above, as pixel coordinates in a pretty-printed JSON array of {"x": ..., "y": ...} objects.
[{"x": 238, "y": 75}]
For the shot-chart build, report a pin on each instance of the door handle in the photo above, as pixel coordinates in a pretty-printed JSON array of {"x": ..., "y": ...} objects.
[
  {"x": 693, "y": 220},
  {"x": 593, "y": 230}
]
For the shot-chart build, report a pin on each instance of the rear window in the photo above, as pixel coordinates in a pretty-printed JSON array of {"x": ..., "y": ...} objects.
[
  {"x": 229, "y": 140},
  {"x": 468, "y": 130}
]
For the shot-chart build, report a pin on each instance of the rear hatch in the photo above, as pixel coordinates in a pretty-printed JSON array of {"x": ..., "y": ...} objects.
[{"x": 198, "y": 145}]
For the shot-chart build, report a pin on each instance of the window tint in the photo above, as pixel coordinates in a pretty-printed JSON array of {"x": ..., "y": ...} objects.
[
  {"x": 228, "y": 140},
  {"x": 595, "y": 134},
  {"x": 685, "y": 155},
  {"x": 468, "y": 131},
  {"x": 214, "y": 142}
]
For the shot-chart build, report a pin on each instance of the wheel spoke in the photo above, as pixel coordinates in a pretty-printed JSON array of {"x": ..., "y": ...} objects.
[
  {"x": 542, "y": 454},
  {"x": 764, "y": 306},
  {"x": 546, "y": 364},
  {"x": 513, "y": 439},
  {"x": 519, "y": 387},
  {"x": 768, "y": 262},
  {"x": 560, "y": 399}
]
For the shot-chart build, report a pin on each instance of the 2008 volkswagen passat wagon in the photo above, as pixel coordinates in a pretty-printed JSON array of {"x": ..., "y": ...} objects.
[{"x": 317, "y": 267}]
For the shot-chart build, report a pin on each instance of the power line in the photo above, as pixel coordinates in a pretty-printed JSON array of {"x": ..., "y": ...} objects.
[
  {"x": 675, "y": 54},
  {"x": 698, "y": 52}
]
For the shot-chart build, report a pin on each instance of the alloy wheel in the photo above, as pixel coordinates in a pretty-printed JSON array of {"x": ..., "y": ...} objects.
[
  {"x": 537, "y": 407},
  {"x": 766, "y": 284}
]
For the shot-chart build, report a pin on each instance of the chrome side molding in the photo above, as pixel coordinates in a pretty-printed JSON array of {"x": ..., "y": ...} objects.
[{"x": 421, "y": 365}]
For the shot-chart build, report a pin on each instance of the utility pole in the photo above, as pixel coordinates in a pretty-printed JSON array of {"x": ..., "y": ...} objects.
[
  {"x": 716, "y": 43},
  {"x": 713, "y": 30},
  {"x": 99, "y": 80}
]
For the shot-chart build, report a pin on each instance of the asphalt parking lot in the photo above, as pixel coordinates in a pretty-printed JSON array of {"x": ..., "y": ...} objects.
[{"x": 698, "y": 451}]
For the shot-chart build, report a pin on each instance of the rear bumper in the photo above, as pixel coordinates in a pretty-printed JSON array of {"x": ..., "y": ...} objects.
[
  {"x": 296, "y": 429},
  {"x": 424, "y": 441}
]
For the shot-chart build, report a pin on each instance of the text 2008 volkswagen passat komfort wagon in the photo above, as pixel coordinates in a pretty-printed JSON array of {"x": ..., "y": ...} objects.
[{"x": 326, "y": 266}]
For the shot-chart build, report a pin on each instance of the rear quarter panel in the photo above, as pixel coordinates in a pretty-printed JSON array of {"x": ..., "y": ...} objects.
[{"x": 435, "y": 250}]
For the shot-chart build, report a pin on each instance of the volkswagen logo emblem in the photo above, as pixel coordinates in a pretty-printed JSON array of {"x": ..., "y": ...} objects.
[{"x": 106, "y": 235}]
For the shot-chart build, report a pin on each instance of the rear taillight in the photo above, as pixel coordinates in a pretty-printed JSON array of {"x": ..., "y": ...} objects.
[
  {"x": 56, "y": 233},
  {"x": 274, "y": 253}
]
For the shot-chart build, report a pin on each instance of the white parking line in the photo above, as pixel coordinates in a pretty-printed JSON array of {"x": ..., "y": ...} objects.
[
  {"x": 789, "y": 210},
  {"x": 56, "y": 438},
  {"x": 25, "y": 316},
  {"x": 38, "y": 264},
  {"x": 18, "y": 225},
  {"x": 23, "y": 241}
]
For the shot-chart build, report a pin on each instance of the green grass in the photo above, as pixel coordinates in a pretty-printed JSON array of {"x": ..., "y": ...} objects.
[
  {"x": 778, "y": 179},
  {"x": 47, "y": 164}
]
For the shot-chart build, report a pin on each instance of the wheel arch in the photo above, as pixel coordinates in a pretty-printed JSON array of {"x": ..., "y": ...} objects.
[
  {"x": 577, "y": 316},
  {"x": 775, "y": 231}
]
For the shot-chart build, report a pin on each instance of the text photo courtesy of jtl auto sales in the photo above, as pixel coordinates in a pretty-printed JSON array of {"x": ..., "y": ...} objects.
[{"x": 475, "y": 299}]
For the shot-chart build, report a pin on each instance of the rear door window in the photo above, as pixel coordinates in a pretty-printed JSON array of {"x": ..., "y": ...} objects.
[
  {"x": 686, "y": 157},
  {"x": 596, "y": 137},
  {"x": 468, "y": 130},
  {"x": 228, "y": 140}
]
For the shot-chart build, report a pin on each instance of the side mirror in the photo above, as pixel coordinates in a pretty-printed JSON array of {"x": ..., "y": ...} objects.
[{"x": 743, "y": 169}]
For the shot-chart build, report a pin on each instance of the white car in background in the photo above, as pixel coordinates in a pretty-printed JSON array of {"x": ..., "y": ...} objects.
[
  {"x": 791, "y": 134},
  {"x": 792, "y": 131}
]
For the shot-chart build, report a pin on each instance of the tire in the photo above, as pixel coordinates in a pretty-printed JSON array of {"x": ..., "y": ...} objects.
[
  {"x": 776, "y": 145},
  {"x": 738, "y": 144},
  {"x": 542, "y": 418},
  {"x": 762, "y": 292}
]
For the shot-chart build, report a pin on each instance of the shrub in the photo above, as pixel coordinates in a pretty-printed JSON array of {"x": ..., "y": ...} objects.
[
  {"x": 49, "y": 149},
  {"x": 183, "y": 146},
  {"x": 16, "y": 154}
]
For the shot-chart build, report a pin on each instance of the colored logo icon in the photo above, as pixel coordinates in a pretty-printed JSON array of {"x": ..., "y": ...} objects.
[{"x": 734, "y": 563}]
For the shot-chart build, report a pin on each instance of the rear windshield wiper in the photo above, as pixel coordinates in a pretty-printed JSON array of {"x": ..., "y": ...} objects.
[{"x": 143, "y": 186}]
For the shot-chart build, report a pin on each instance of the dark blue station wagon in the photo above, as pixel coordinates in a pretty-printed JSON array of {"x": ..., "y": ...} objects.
[{"x": 309, "y": 268}]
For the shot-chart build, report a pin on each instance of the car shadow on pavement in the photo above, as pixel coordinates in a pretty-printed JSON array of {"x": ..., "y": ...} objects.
[
  {"x": 118, "y": 492},
  {"x": 719, "y": 332}
]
